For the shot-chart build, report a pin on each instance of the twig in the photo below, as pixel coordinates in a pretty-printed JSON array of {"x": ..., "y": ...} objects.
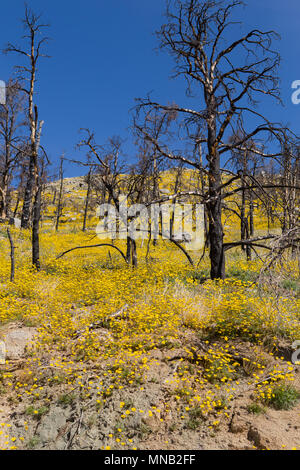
[
  {"x": 101, "y": 323},
  {"x": 70, "y": 441}
]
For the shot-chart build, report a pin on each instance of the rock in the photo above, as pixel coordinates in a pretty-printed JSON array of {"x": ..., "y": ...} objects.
[
  {"x": 2, "y": 353},
  {"x": 17, "y": 342},
  {"x": 52, "y": 426},
  {"x": 237, "y": 425},
  {"x": 152, "y": 421},
  {"x": 157, "y": 354},
  {"x": 260, "y": 441}
]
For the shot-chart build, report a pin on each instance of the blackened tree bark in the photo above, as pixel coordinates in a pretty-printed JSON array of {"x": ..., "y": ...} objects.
[
  {"x": 217, "y": 261},
  {"x": 87, "y": 199},
  {"x": 36, "y": 216},
  {"x": 27, "y": 202},
  {"x": 60, "y": 194}
]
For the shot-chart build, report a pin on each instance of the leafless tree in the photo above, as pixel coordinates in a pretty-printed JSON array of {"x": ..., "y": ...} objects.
[
  {"x": 231, "y": 77},
  {"x": 246, "y": 164},
  {"x": 290, "y": 179},
  {"x": 11, "y": 124},
  {"x": 32, "y": 53},
  {"x": 108, "y": 167}
]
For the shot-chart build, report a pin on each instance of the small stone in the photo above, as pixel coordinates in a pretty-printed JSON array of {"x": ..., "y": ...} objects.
[
  {"x": 152, "y": 421},
  {"x": 237, "y": 426}
]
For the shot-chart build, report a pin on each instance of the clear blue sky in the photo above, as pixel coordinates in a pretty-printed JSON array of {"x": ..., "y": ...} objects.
[{"x": 103, "y": 57}]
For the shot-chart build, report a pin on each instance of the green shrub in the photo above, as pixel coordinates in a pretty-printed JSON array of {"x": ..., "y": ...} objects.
[
  {"x": 66, "y": 399},
  {"x": 284, "y": 397},
  {"x": 255, "y": 409},
  {"x": 36, "y": 413}
]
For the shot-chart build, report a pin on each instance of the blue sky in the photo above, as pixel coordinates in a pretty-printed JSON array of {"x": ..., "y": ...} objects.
[{"x": 103, "y": 56}]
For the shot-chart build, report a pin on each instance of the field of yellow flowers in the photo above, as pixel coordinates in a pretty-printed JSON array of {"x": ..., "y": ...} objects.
[{"x": 150, "y": 358}]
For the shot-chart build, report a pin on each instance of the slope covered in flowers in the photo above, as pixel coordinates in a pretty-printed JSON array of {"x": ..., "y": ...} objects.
[{"x": 172, "y": 362}]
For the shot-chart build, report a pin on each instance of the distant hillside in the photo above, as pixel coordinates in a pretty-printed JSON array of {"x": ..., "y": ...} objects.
[{"x": 70, "y": 184}]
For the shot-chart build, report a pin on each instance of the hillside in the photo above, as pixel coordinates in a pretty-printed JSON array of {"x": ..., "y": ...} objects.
[{"x": 103, "y": 356}]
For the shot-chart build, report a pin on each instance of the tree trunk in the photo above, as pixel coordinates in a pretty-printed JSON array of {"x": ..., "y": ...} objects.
[
  {"x": 243, "y": 214},
  {"x": 4, "y": 199},
  {"x": 36, "y": 229},
  {"x": 59, "y": 204},
  {"x": 27, "y": 204},
  {"x": 216, "y": 235},
  {"x": 17, "y": 205},
  {"x": 12, "y": 256},
  {"x": 128, "y": 250},
  {"x": 87, "y": 200},
  {"x": 133, "y": 254},
  {"x": 251, "y": 216}
]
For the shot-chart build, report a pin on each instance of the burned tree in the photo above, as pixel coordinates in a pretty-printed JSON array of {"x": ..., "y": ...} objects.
[
  {"x": 28, "y": 73},
  {"x": 110, "y": 180},
  {"x": 245, "y": 163},
  {"x": 11, "y": 123},
  {"x": 289, "y": 179},
  {"x": 231, "y": 76}
]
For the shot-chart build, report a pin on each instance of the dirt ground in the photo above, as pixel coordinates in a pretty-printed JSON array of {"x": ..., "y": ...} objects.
[{"x": 74, "y": 422}]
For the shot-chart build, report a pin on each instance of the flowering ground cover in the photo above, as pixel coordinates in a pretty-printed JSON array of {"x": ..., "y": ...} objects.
[{"x": 146, "y": 358}]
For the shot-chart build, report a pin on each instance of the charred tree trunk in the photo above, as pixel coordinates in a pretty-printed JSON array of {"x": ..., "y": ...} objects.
[
  {"x": 248, "y": 247},
  {"x": 131, "y": 252},
  {"x": 243, "y": 214},
  {"x": 61, "y": 187},
  {"x": 87, "y": 200},
  {"x": 128, "y": 250},
  {"x": 27, "y": 203},
  {"x": 54, "y": 197},
  {"x": 214, "y": 205},
  {"x": 134, "y": 261},
  {"x": 36, "y": 228},
  {"x": 251, "y": 215}
]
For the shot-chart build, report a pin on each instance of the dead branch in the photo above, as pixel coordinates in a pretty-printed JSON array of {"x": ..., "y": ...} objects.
[{"x": 94, "y": 246}]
